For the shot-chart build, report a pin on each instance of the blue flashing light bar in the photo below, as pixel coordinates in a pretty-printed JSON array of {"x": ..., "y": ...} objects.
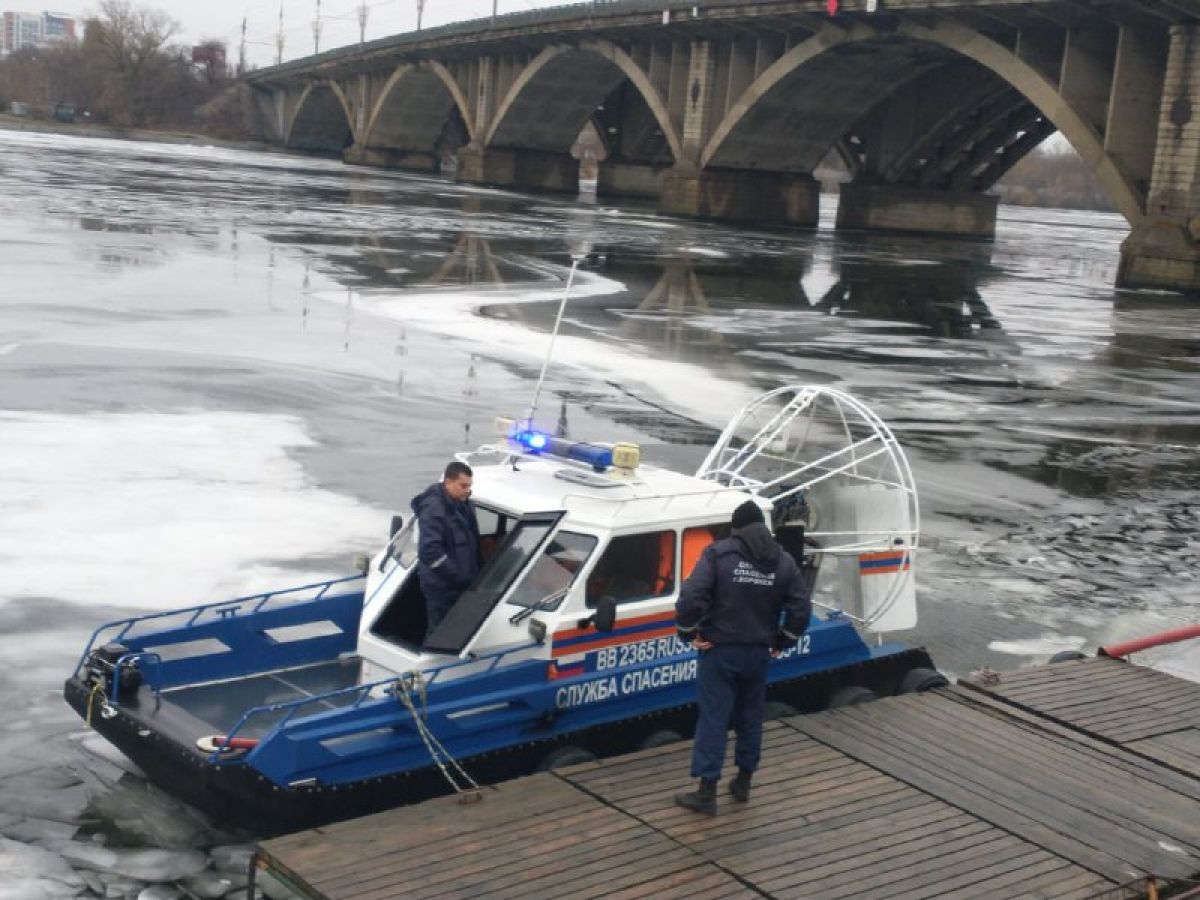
[{"x": 599, "y": 458}]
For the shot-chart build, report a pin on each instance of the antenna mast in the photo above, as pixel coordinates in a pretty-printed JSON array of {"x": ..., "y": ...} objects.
[
  {"x": 241, "y": 70},
  {"x": 317, "y": 30},
  {"x": 420, "y": 12},
  {"x": 362, "y": 22},
  {"x": 279, "y": 37},
  {"x": 537, "y": 391}
]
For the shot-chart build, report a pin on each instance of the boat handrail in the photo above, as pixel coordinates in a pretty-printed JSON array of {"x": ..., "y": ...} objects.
[
  {"x": 363, "y": 692},
  {"x": 225, "y": 609}
]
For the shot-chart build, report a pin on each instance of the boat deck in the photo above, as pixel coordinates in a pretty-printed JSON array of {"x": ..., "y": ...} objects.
[
  {"x": 959, "y": 792},
  {"x": 186, "y": 713}
]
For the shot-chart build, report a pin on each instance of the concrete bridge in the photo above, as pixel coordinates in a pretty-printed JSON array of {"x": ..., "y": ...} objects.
[{"x": 722, "y": 109}]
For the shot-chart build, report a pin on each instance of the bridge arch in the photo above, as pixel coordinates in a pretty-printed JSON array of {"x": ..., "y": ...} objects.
[
  {"x": 556, "y": 94},
  {"x": 414, "y": 106},
  {"x": 947, "y": 41},
  {"x": 322, "y": 121}
]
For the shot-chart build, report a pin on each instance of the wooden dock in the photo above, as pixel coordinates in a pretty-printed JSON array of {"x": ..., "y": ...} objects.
[{"x": 1063, "y": 781}]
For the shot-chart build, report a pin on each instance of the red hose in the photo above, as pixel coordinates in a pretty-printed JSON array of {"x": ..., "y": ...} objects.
[
  {"x": 236, "y": 743},
  {"x": 1173, "y": 636}
]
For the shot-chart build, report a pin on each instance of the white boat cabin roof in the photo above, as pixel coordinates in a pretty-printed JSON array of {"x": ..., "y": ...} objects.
[{"x": 613, "y": 500}]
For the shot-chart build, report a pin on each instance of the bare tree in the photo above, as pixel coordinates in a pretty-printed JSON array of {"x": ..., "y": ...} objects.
[
  {"x": 138, "y": 70},
  {"x": 130, "y": 36}
]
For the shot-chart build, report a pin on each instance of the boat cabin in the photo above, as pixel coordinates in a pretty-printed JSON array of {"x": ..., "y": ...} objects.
[{"x": 560, "y": 541}]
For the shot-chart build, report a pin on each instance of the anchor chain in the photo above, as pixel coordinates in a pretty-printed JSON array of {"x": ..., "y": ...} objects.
[{"x": 403, "y": 688}]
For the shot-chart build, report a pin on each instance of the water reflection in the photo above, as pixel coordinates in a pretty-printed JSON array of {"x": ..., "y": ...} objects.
[
  {"x": 943, "y": 298},
  {"x": 471, "y": 262},
  {"x": 1154, "y": 334},
  {"x": 688, "y": 299},
  {"x": 96, "y": 223}
]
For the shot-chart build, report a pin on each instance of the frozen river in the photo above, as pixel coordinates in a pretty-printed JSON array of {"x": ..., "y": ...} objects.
[{"x": 222, "y": 371}]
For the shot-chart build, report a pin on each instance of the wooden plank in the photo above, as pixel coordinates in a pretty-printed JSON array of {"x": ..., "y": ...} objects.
[
  {"x": 1068, "y": 882},
  {"x": 773, "y": 772},
  {"x": 1005, "y": 732},
  {"x": 809, "y": 840},
  {"x": 1131, "y": 682},
  {"x": 1069, "y": 685},
  {"x": 481, "y": 842},
  {"x": 856, "y": 883},
  {"x": 768, "y": 824},
  {"x": 591, "y": 878},
  {"x": 1063, "y": 835},
  {"x": 887, "y": 854},
  {"x": 1025, "y": 762},
  {"x": 1134, "y": 765},
  {"x": 689, "y": 883},
  {"x": 1131, "y": 690},
  {"x": 1076, "y": 706},
  {"x": 1028, "y": 881},
  {"x": 997, "y": 879},
  {"x": 425, "y": 822},
  {"x": 1077, "y": 768},
  {"x": 822, "y": 846},
  {"x": 521, "y": 873},
  {"x": 460, "y": 861},
  {"x": 1075, "y": 670},
  {"x": 1184, "y": 708},
  {"x": 686, "y": 826}
]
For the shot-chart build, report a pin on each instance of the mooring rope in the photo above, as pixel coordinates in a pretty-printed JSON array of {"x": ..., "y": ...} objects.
[{"x": 96, "y": 689}]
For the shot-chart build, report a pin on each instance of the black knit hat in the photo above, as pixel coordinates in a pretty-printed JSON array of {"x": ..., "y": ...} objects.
[{"x": 746, "y": 514}]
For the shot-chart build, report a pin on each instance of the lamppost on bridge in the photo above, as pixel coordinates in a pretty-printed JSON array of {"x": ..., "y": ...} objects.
[
  {"x": 420, "y": 12},
  {"x": 317, "y": 30}
]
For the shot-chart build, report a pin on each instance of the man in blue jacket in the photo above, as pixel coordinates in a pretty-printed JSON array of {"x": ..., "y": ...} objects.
[
  {"x": 448, "y": 556},
  {"x": 743, "y": 604}
]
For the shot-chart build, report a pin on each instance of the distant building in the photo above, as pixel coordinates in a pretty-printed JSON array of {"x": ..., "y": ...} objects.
[
  {"x": 210, "y": 54},
  {"x": 24, "y": 30}
]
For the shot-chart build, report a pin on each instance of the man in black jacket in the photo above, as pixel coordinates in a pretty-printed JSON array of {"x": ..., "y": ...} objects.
[
  {"x": 730, "y": 610},
  {"x": 448, "y": 555}
]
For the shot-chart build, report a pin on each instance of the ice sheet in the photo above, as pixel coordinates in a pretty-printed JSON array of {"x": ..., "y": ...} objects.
[{"x": 207, "y": 495}]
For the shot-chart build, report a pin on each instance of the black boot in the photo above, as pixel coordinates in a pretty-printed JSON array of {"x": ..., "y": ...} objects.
[
  {"x": 740, "y": 786},
  {"x": 703, "y": 800}
]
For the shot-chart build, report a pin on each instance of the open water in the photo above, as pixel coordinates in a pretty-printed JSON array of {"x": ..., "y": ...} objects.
[{"x": 222, "y": 371}]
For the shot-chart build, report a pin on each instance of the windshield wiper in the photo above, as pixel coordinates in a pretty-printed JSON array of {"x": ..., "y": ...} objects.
[{"x": 523, "y": 614}]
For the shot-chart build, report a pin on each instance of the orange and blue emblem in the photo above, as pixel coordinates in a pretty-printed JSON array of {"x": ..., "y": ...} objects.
[{"x": 886, "y": 563}]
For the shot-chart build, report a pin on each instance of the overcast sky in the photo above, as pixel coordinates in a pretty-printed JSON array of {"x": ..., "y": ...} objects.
[{"x": 222, "y": 19}]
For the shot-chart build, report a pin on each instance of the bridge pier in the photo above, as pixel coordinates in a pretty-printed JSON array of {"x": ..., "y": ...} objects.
[
  {"x": 741, "y": 196},
  {"x": 878, "y": 207},
  {"x": 624, "y": 179},
  {"x": 1163, "y": 249},
  {"x": 525, "y": 170},
  {"x": 1161, "y": 254},
  {"x": 391, "y": 158}
]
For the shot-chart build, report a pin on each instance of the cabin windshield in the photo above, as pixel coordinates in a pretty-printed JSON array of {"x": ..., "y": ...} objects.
[
  {"x": 512, "y": 556},
  {"x": 523, "y": 543},
  {"x": 555, "y": 570}
]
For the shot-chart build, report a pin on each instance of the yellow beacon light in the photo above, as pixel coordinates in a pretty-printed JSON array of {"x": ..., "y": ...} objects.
[{"x": 626, "y": 456}]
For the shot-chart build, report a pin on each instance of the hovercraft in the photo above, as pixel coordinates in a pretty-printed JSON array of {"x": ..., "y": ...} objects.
[{"x": 292, "y": 708}]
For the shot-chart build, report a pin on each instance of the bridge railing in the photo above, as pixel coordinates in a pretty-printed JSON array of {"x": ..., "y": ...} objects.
[{"x": 561, "y": 13}]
